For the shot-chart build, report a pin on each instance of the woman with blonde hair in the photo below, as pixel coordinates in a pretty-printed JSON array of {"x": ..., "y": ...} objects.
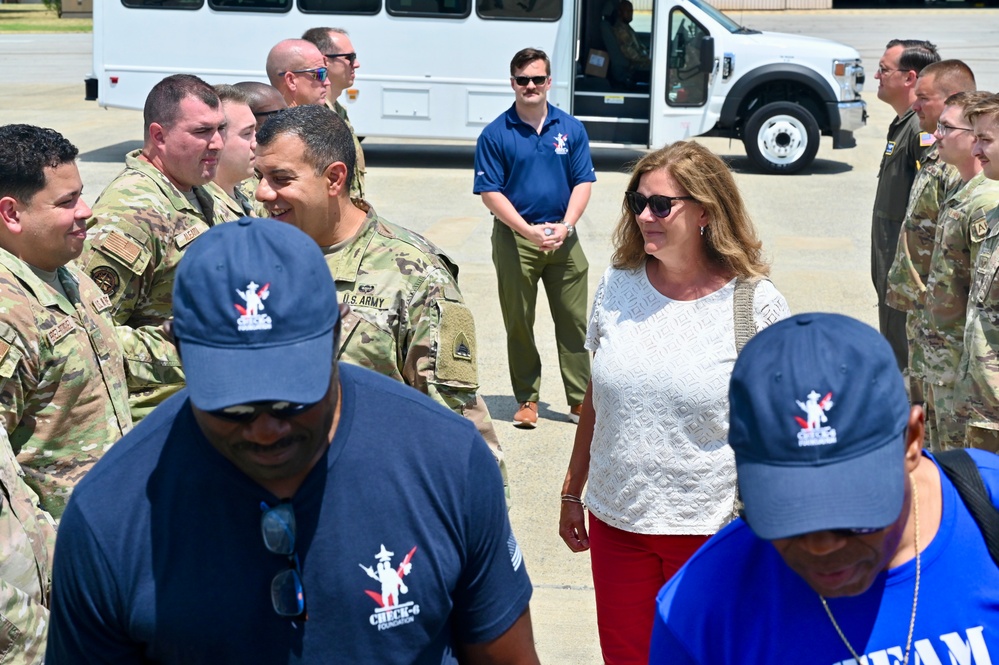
[{"x": 686, "y": 289}]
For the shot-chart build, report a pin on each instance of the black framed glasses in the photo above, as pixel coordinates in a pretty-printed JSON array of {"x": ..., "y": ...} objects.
[
  {"x": 316, "y": 73},
  {"x": 245, "y": 413},
  {"x": 350, "y": 57},
  {"x": 944, "y": 129},
  {"x": 522, "y": 81},
  {"x": 277, "y": 524},
  {"x": 659, "y": 204}
]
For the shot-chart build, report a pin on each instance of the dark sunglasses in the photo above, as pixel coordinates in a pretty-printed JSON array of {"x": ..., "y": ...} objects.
[
  {"x": 264, "y": 114},
  {"x": 351, "y": 57},
  {"x": 245, "y": 413},
  {"x": 846, "y": 533},
  {"x": 277, "y": 524},
  {"x": 522, "y": 81},
  {"x": 659, "y": 204},
  {"x": 317, "y": 73}
]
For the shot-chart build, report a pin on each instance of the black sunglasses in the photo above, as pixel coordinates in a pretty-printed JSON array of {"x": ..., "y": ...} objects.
[
  {"x": 846, "y": 533},
  {"x": 659, "y": 204},
  {"x": 245, "y": 413},
  {"x": 522, "y": 81},
  {"x": 351, "y": 57},
  {"x": 277, "y": 524},
  {"x": 264, "y": 114}
]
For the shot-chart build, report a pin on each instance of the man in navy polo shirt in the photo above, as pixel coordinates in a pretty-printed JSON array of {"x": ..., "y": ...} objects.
[
  {"x": 270, "y": 513},
  {"x": 533, "y": 170}
]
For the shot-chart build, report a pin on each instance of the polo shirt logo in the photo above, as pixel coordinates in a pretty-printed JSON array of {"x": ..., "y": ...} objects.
[
  {"x": 561, "y": 144},
  {"x": 890, "y": 148},
  {"x": 390, "y": 612}
]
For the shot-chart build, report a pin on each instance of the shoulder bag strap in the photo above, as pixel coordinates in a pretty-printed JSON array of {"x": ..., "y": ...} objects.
[
  {"x": 745, "y": 319},
  {"x": 961, "y": 469}
]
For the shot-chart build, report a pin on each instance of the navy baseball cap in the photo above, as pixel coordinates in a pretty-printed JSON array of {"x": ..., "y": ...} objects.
[
  {"x": 255, "y": 311},
  {"x": 818, "y": 420}
]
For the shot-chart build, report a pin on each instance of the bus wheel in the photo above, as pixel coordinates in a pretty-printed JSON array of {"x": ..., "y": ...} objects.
[{"x": 781, "y": 137}]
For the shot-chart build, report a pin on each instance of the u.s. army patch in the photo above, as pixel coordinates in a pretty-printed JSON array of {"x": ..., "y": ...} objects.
[
  {"x": 106, "y": 279},
  {"x": 126, "y": 250}
]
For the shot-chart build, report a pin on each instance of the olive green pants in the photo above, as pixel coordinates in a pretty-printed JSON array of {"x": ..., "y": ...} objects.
[{"x": 519, "y": 266}]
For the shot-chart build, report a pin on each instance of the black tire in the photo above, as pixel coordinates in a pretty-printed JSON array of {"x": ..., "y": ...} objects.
[{"x": 781, "y": 137}]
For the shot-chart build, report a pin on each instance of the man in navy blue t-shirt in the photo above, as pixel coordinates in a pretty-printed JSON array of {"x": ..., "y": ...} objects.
[
  {"x": 271, "y": 513},
  {"x": 534, "y": 173},
  {"x": 854, "y": 546}
]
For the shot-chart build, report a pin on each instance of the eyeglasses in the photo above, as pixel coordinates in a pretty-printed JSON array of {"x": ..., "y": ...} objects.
[
  {"x": 659, "y": 204},
  {"x": 317, "y": 73},
  {"x": 884, "y": 71},
  {"x": 245, "y": 413},
  {"x": 944, "y": 130},
  {"x": 277, "y": 524},
  {"x": 351, "y": 57},
  {"x": 522, "y": 81}
]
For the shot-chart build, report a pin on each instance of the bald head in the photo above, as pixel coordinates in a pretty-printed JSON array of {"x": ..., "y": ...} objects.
[
  {"x": 294, "y": 67},
  {"x": 264, "y": 100}
]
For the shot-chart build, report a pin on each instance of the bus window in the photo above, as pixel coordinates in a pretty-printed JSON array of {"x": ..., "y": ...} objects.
[
  {"x": 164, "y": 4},
  {"x": 520, "y": 10},
  {"x": 340, "y": 6},
  {"x": 435, "y": 8},
  {"x": 686, "y": 82},
  {"x": 251, "y": 5}
]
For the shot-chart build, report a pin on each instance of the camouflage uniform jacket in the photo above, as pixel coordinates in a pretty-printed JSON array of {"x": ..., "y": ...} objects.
[
  {"x": 248, "y": 190},
  {"x": 357, "y": 184},
  {"x": 236, "y": 207},
  {"x": 140, "y": 228},
  {"x": 27, "y": 534},
  {"x": 979, "y": 382},
  {"x": 934, "y": 182},
  {"x": 408, "y": 319},
  {"x": 63, "y": 399},
  {"x": 961, "y": 228}
]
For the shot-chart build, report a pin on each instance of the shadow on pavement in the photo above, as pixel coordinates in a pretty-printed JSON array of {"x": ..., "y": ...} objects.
[
  {"x": 112, "y": 153},
  {"x": 463, "y": 156},
  {"x": 742, "y": 164}
]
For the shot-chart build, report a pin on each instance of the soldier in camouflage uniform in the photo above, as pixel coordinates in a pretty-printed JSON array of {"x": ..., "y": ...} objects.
[
  {"x": 407, "y": 318},
  {"x": 934, "y": 181},
  {"x": 236, "y": 156},
  {"x": 341, "y": 60},
  {"x": 145, "y": 219},
  {"x": 960, "y": 230},
  {"x": 979, "y": 373},
  {"x": 63, "y": 399},
  {"x": 27, "y": 539},
  {"x": 264, "y": 100}
]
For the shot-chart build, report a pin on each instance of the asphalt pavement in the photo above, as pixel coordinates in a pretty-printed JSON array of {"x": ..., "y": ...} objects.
[{"x": 815, "y": 228}]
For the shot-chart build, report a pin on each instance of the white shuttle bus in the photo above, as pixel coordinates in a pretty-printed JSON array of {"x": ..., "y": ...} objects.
[{"x": 439, "y": 69}]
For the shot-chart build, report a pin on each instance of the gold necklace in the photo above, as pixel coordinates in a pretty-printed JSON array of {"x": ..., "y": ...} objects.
[{"x": 915, "y": 594}]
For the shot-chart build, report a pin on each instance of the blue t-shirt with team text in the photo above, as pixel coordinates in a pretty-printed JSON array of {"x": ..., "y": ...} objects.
[
  {"x": 736, "y": 601},
  {"x": 402, "y": 535},
  {"x": 536, "y": 172}
]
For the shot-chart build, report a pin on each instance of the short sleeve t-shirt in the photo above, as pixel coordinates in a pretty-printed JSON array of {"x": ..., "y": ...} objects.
[
  {"x": 736, "y": 601},
  {"x": 402, "y": 538}
]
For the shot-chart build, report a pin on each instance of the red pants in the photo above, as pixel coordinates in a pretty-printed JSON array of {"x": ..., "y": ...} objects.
[{"x": 628, "y": 571}]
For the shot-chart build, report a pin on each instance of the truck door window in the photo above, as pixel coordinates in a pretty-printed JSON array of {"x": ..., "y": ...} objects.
[{"x": 686, "y": 81}]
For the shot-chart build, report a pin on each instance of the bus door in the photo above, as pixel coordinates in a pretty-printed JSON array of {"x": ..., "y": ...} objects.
[
  {"x": 682, "y": 72},
  {"x": 611, "y": 91}
]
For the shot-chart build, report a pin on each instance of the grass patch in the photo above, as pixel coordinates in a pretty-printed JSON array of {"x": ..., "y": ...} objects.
[{"x": 38, "y": 18}]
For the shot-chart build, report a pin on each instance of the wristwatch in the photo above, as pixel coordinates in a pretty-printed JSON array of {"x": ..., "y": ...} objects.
[{"x": 569, "y": 228}]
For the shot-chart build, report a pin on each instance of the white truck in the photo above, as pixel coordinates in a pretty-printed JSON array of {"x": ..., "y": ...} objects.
[{"x": 439, "y": 69}]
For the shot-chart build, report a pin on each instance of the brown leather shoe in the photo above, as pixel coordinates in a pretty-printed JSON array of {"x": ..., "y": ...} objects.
[
  {"x": 527, "y": 415},
  {"x": 574, "y": 412}
]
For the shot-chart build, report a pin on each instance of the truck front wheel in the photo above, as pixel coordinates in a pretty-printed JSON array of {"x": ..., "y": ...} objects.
[{"x": 781, "y": 137}]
